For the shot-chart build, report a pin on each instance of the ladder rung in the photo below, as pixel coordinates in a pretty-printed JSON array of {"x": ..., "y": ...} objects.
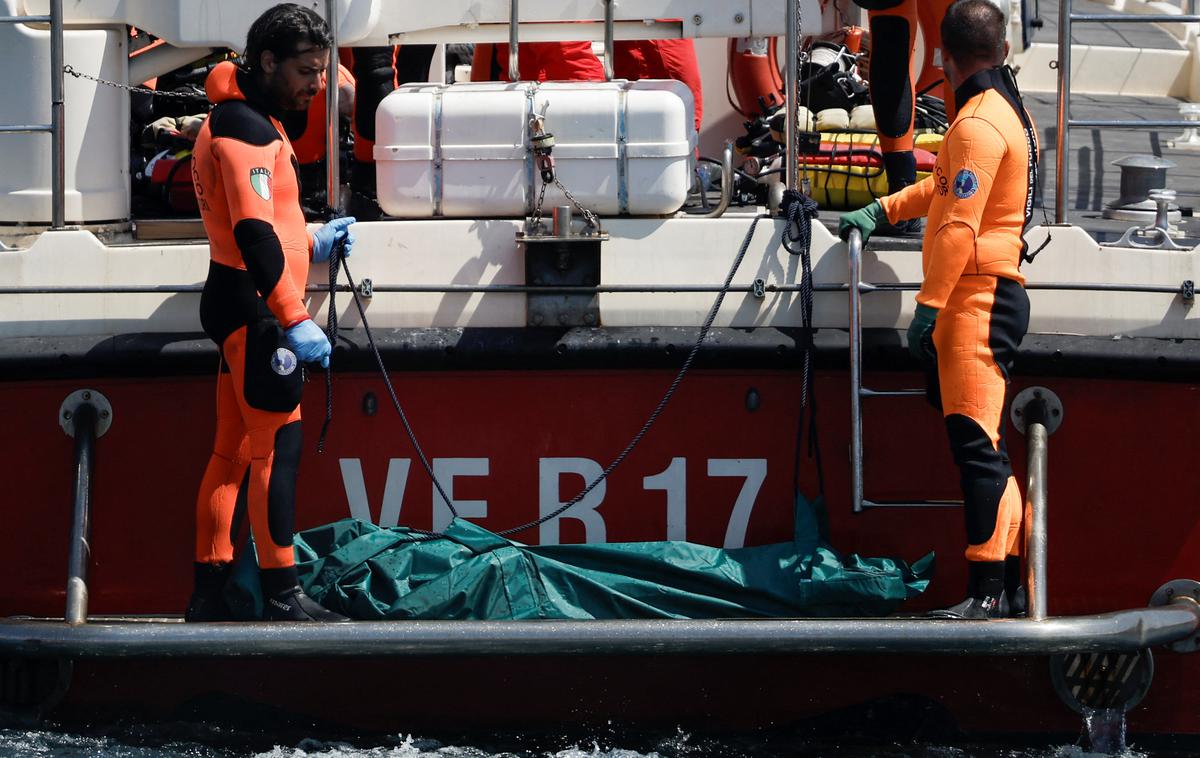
[
  {"x": 25, "y": 128},
  {"x": 912, "y": 504},
  {"x": 891, "y": 393},
  {"x": 24, "y": 19},
  {"x": 1134, "y": 18}
]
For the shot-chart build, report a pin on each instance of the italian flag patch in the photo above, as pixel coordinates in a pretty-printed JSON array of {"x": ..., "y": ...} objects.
[{"x": 260, "y": 182}]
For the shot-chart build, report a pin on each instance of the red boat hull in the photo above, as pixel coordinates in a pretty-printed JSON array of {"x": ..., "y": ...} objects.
[{"x": 1119, "y": 525}]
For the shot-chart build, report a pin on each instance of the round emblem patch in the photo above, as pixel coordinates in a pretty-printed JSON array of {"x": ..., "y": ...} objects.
[
  {"x": 965, "y": 184},
  {"x": 283, "y": 361}
]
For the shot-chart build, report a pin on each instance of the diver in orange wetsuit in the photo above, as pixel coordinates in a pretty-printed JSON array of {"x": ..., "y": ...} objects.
[
  {"x": 972, "y": 310},
  {"x": 661, "y": 59},
  {"x": 893, "y": 25},
  {"x": 246, "y": 183},
  {"x": 538, "y": 62},
  {"x": 574, "y": 61}
]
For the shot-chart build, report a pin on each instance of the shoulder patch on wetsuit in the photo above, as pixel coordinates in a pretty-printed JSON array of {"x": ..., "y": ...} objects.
[
  {"x": 260, "y": 182},
  {"x": 965, "y": 184},
  {"x": 237, "y": 120}
]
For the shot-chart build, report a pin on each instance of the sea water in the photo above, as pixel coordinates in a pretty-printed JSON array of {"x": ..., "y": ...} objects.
[{"x": 200, "y": 741}]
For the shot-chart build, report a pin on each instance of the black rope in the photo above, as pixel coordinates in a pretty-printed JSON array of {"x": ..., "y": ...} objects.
[
  {"x": 802, "y": 236},
  {"x": 800, "y": 211},
  {"x": 797, "y": 240},
  {"x": 331, "y": 332},
  {"x": 666, "y": 398},
  {"x": 412, "y": 437}
]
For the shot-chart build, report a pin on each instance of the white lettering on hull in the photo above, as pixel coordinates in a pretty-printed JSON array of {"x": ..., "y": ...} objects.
[
  {"x": 445, "y": 470},
  {"x": 549, "y": 472},
  {"x": 755, "y": 472},
  {"x": 393, "y": 490},
  {"x": 672, "y": 480}
]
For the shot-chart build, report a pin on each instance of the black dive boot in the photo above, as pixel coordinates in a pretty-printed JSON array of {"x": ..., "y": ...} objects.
[
  {"x": 901, "y": 170},
  {"x": 283, "y": 600},
  {"x": 1014, "y": 590},
  {"x": 208, "y": 600},
  {"x": 985, "y": 594}
]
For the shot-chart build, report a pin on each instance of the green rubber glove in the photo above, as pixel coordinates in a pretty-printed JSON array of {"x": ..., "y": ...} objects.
[
  {"x": 920, "y": 331},
  {"x": 864, "y": 219}
]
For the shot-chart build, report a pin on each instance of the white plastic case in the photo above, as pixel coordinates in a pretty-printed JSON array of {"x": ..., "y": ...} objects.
[{"x": 462, "y": 150}]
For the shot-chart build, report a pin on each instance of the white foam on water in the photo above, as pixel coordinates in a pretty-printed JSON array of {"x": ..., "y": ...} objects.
[
  {"x": 410, "y": 747},
  {"x": 17, "y": 743}
]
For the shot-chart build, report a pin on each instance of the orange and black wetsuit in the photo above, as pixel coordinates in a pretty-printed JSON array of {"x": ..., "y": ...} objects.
[
  {"x": 244, "y": 171},
  {"x": 978, "y": 201},
  {"x": 894, "y": 26}
]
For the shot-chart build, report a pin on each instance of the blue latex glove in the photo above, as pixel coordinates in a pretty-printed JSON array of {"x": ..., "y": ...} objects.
[
  {"x": 920, "y": 331},
  {"x": 864, "y": 219},
  {"x": 325, "y": 237},
  {"x": 309, "y": 343}
]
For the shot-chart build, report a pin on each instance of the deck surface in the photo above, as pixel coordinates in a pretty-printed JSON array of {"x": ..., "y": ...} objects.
[
  {"x": 1115, "y": 35},
  {"x": 1094, "y": 181}
]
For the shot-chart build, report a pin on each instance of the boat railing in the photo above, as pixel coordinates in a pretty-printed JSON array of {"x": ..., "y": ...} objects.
[
  {"x": 56, "y": 126},
  {"x": 1066, "y": 19},
  {"x": 86, "y": 416}
]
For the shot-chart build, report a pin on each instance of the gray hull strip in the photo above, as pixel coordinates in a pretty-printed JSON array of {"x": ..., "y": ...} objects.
[{"x": 128, "y": 638}]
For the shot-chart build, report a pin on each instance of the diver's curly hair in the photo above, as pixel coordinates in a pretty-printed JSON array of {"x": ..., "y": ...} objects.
[{"x": 285, "y": 30}]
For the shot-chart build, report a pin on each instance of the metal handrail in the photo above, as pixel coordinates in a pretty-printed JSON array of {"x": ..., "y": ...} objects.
[
  {"x": 609, "y": 45},
  {"x": 792, "y": 97},
  {"x": 333, "y": 179},
  {"x": 1120, "y": 631},
  {"x": 517, "y": 289},
  {"x": 1134, "y": 18},
  {"x": 858, "y": 392},
  {"x": 854, "y": 246},
  {"x": 58, "y": 174},
  {"x": 1035, "y": 488},
  {"x": 1063, "y": 143},
  {"x": 727, "y": 181},
  {"x": 514, "y": 63},
  {"x": 83, "y": 422}
]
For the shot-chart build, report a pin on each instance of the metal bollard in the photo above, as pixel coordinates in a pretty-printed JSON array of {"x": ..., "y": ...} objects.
[{"x": 1037, "y": 413}]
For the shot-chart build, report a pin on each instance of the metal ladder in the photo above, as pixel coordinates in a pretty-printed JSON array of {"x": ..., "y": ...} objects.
[
  {"x": 858, "y": 392},
  {"x": 1036, "y": 412},
  {"x": 1065, "y": 19},
  {"x": 55, "y": 127}
]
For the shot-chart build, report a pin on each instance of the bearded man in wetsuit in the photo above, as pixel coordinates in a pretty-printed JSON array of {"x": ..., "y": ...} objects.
[
  {"x": 972, "y": 310},
  {"x": 245, "y": 175}
]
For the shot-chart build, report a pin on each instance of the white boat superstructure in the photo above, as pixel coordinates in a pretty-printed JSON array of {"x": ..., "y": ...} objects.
[{"x": 661, "y": 271}]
